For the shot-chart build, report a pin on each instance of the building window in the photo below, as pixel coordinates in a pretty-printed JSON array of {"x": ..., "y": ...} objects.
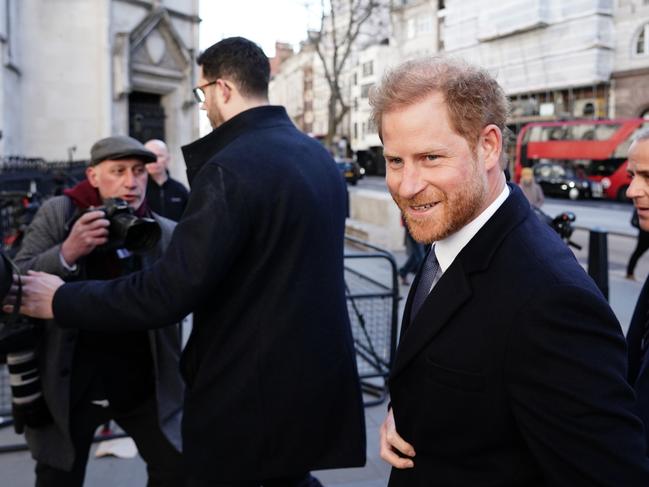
[
  {"x": 641, "y": 44},
  {"x": 424, "y": 24},
  {"x": 410, "y": 29},
  {"x": 356, "y": 130},
  {"x": 365, "y": 90},
  {"x": 368, "y": 68}
]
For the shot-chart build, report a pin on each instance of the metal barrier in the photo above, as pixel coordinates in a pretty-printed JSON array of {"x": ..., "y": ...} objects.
[{"x": 373, "y": 303}]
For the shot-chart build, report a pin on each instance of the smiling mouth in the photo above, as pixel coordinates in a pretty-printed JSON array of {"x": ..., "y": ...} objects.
[{"x": 425, "y": 207}]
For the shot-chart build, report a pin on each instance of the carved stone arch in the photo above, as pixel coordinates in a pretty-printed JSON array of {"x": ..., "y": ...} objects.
[
  {"x": 151, "y": 58},
  {"x": 159, "y": 58}
]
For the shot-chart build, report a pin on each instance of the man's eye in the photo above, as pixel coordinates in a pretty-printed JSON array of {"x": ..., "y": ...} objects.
[
  {"x": 394, "y": 160},
  {"x": 431, "y": 157}
]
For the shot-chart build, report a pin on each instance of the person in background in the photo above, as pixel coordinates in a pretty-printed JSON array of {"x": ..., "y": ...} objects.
[
  {"x": 641, "y": 246},
  {"x": 165, "y": 195},
  {"x": 530, "y": 188},
  {"x": 89, "y": 376},
  {"x": 414, "y": 252},
  {"x": 638, "y": 334}
]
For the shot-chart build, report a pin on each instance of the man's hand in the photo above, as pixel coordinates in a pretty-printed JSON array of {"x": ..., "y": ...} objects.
[
  {"x": 88, "y": 232},
  {"x": 393, "y": 447},
  {"x": 38, "y": 290}
]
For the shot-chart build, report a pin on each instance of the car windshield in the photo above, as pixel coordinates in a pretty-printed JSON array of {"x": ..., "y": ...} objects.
[{"x": 555, "y": 171}]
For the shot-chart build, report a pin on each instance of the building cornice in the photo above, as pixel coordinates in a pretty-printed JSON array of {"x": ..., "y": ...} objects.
[
  {"x": 630, "y": 72},
  {"x": 172, "y": 13}
]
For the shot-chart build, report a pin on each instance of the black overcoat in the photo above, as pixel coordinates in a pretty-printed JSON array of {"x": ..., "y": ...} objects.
[
  {"x": 272, "y": 386},
  {"x": 513, "y": 371},
  {"x": 638, "y": 361}
]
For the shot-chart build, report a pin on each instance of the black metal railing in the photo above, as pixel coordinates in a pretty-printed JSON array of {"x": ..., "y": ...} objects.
[{"x": 373, "y": 304}]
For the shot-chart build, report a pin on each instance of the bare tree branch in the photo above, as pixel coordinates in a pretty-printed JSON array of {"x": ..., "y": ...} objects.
[{"x": 334, "y": 45}]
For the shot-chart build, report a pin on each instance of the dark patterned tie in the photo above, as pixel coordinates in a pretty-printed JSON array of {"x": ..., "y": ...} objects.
[{"x": 428, "y": 272}]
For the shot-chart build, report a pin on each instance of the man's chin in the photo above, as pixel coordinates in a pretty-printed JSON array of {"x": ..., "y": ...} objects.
[{"x": 424, "y": 232}]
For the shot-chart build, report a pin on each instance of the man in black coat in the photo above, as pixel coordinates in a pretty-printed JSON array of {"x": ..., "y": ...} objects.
[
  {"x": 638, "y": 335},
  {"x": 272, "y": 386},
  {"x": 165, "y": 195},
  {"x": 511, "y": 366}
]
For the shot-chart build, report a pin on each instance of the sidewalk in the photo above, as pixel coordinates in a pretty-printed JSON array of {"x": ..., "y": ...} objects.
[{"x": 17, "y": 468}]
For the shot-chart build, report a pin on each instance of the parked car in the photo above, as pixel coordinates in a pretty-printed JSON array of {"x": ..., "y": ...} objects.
[
  {"x": 559, "y": 180},
  {"x": 350, "y": 169}
]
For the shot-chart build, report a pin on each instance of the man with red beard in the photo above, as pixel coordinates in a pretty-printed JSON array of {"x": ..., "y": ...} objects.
[{"x": 511, "y": 366}]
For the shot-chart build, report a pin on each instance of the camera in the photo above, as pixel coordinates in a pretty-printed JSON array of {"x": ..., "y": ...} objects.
[
  {"x": 127, "y": 230},
  {"x": 18, "y": 337}
]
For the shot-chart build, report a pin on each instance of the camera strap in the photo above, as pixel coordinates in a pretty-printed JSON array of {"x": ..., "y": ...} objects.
[{"x": 9, "y": 264}]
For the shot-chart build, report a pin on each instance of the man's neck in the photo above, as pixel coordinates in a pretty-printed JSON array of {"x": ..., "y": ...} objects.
[{"x": 160, "y": 178}]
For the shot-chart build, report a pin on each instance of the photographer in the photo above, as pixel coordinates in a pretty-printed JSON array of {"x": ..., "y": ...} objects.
[{"x": 91, "y": 377}]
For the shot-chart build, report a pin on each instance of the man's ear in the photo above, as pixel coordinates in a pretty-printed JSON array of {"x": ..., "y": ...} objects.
[
  {"x": 490, "y": 146},
  {"x": 225, "y": 90},
  {"x": 91, "y": 174}
]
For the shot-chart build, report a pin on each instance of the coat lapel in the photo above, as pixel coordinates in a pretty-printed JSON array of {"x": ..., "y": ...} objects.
[
  {"x": 453, "y": 289},
  {"x": 450, "y": 292}
]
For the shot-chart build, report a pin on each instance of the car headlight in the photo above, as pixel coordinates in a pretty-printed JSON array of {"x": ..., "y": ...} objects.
[
  {"x": 571, "y": 184},
  {"x": 606, "y": 183}
]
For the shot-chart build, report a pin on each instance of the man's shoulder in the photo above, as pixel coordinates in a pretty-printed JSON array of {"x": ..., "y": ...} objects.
[
  {"x": 57, "y": 205},
  {"x": 177, "y": 185}
]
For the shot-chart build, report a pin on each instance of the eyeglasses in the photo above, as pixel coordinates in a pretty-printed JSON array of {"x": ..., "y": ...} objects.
[{"x": 199, "y": 94}]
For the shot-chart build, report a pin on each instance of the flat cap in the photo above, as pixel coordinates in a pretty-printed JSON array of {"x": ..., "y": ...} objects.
[{"x": 119, "y": 147}]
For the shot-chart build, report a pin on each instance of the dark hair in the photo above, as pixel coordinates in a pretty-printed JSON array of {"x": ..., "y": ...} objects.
[{"x": 239, "y": 60}]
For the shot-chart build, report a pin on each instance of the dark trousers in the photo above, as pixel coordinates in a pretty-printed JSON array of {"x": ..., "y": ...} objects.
[
  {"x": 641, "y": 247},
  {"x": 306, "y": 480},
  {"x": 164, "y": 463},
  {"x": 415, "y": 252}
]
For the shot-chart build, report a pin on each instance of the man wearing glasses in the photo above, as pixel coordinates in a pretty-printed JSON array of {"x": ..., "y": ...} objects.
[{"x": 272, "y": 385}]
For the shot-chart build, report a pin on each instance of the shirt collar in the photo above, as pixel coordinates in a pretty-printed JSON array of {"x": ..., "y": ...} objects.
[{"x": 446, "y": 250}]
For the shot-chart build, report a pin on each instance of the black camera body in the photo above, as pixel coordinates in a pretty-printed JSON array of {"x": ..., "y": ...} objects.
[
  {"x": 18, "y": 338},
  {"x": 127, "y": 230}
]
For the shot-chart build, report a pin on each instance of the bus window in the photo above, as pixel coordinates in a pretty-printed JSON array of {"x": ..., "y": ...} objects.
[
  {"x": 622, "y": 150},
  {"x": 594, "y": 148}
]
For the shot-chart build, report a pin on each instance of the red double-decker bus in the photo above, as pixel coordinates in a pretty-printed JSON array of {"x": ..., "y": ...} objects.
[{"x": 596, "y": 149}]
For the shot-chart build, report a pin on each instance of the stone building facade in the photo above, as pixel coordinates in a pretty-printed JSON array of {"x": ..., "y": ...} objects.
[
  {"x": 76, "y": 71},
  {"x": 630, "y": 79}
]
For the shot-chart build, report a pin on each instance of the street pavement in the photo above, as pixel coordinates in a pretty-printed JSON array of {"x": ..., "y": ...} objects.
[{"x": 17, "y": 467}]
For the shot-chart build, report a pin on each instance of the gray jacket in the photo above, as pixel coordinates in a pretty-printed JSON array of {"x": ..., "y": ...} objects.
[{"x": 40, "y": 249}]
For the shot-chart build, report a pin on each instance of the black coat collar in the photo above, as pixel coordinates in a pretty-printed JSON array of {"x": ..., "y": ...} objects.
[{"x": 202, "y": 150}]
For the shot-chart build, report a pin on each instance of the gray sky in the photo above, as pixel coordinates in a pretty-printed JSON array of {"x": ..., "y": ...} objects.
[{"x": 262, "y": 21}]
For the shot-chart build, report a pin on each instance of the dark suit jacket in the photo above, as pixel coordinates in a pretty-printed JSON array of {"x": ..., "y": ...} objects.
[
  {"x": 258, "y": 257},
  {"x": 638, "y": 365},
  {"x": 513, "y": 371}
]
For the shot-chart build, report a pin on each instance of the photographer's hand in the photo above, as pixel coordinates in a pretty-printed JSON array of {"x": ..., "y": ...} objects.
[
  {"x": 38, "y": 290},
  {"x": 88, "y": 232}
]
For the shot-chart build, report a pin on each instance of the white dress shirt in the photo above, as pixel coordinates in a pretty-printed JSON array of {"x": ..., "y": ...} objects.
[{"x": 446, "y": 250}]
